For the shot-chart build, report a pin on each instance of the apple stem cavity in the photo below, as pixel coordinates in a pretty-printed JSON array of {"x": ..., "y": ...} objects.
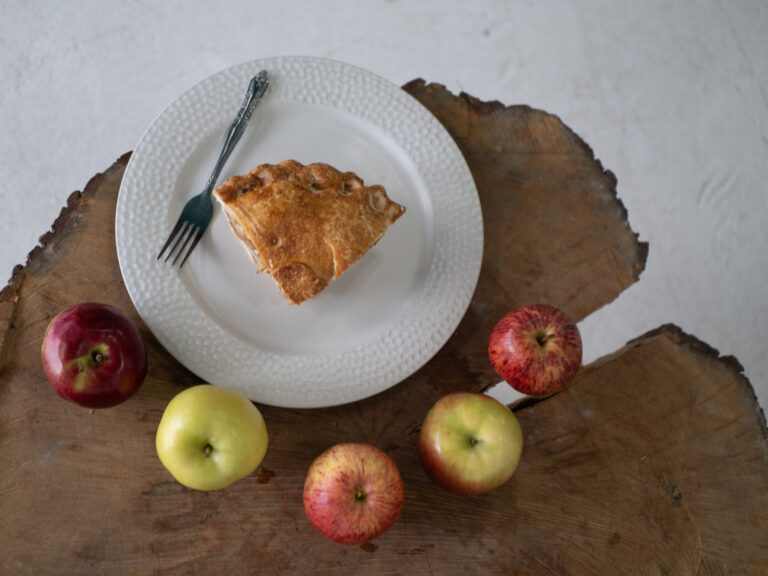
[
  {"x": 542, "y": 338},
  {"x": 97, "y": 355},
  {"x": 360, "y": 496}
]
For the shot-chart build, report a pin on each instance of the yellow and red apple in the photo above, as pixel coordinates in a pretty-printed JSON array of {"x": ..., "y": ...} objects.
[
  {"x": 470, "y": 443},
  {"x": 353, "y": 493}
]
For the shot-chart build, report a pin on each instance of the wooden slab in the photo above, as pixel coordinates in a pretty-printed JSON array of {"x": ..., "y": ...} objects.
[
  {"x": 622, "y": 473},
  {"x": 555, "y": 230}
]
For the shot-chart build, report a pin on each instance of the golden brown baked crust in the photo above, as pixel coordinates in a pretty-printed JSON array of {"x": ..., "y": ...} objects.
[{"x": 305, "y": 225}]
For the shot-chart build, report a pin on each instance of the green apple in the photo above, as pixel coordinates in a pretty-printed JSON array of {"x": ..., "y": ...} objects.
[
  {"x": 209, "y": 437},
  {"x": 470, "y": 443}
]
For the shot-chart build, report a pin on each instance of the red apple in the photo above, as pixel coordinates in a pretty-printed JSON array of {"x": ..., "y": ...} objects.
[
  {"x": 536, "y": 349},
  {"x": 353, "y": 493},
  {"x": 470, "y": 443},
  {"x": 94, "y": 355}
]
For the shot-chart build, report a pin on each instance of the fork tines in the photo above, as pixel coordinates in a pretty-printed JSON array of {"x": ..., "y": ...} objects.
[{"x": 181, "y": 231}]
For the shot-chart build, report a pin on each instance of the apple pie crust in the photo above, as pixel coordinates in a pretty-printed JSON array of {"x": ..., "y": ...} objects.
[{"x": 305, "y": 225}]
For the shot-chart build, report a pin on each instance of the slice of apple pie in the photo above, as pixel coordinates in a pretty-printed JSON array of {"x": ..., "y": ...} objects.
[{"x": 305, "y": 225}]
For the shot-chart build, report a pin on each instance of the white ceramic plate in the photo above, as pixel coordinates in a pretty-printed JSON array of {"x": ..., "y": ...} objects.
[{"x": 383, "y": 318}]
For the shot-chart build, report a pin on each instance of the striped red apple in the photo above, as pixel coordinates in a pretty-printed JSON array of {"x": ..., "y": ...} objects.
[
  {"x": 536, "y": 349},
  {"x": 353, "y": 493}
]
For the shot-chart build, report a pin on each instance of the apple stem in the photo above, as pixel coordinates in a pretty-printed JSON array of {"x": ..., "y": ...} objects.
[
  {"x": 208, "y": 449},
  {"x": 544, "y": 338},
  {"x": 473, "y": 441},
  {"x": 359, "y": 495}
]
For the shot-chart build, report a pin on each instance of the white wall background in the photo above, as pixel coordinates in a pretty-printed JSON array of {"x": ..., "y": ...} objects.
[{"x": 671, "y": 96}]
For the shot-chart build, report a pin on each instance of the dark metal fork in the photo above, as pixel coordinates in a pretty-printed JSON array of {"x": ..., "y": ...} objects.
[{"x": 198, "y": 211}]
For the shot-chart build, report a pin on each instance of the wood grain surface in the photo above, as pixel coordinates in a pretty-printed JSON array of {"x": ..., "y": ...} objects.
[{"x": 653, "y": 462}]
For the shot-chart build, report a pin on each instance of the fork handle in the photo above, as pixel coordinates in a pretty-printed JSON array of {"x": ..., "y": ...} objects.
[{"x": 256, "y": 89}]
